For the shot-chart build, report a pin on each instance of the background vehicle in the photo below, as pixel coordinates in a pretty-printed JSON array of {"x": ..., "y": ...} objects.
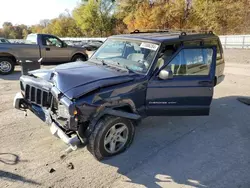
[
  {"x": 89, "y": 45},
  {"x": 4, "y": 41},
  {"x": 37, "y": 46},
  {"x": 92, "y": 46},
  {"x": 128, "y": 78}
]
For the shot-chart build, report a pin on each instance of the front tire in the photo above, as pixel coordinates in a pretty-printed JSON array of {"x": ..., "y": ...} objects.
[
  {"x": 7, "y": 66},
  {"x": 112, "y": 135}
]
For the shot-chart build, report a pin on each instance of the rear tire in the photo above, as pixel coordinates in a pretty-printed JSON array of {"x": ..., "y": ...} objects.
[
  {"x": 7, "y": 66},
  {"x": 112, "y": 135},
  {"x": 78, "y": 57}
]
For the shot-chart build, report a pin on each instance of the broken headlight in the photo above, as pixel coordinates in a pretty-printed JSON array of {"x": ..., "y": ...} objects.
[{"x": 63, "y": 111}]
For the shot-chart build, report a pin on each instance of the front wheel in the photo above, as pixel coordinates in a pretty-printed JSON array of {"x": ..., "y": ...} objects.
[
  {"x": 7, "y": 66},
  {"x": 112, "y": 135}
]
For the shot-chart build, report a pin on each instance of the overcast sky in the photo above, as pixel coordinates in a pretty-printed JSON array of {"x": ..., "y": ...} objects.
[{"x": 32, "y": 11}]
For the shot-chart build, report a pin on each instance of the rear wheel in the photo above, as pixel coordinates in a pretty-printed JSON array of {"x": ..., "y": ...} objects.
[
  {"x": 7, "y": 66},
  {"x": 112, "y": 135},
  {"x": 78, "y": 57}
]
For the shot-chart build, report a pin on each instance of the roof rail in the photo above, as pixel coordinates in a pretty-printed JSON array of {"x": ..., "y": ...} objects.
[
  {"x": 183, "y": 32},
  {"x": 149, "y": 31}
]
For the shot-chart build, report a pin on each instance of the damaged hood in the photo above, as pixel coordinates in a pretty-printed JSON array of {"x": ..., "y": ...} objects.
[{"x": 79, "y": 78}]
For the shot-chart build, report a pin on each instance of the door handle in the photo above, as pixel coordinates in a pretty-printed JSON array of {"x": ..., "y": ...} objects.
[
  {"x": 47, "y": 49},
  {"x": 205, "y": 83}
]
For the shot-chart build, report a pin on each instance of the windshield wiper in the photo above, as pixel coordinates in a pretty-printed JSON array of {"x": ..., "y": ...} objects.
[
  {"x": 114, "y": 64},
  {"x": 129, "y": 69},
  {"x": 103, "y": 62},
  {"x": 97, "y": 61},
  {"x": 125, "y": 66}
]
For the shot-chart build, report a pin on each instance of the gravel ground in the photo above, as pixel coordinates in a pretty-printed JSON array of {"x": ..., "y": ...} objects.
[{"x": 177, "y": 152}]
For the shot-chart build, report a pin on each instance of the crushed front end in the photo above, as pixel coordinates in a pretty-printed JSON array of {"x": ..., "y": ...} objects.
[
  {"x": 72, "y": 97},
  {"x": 46, "y": 102}
]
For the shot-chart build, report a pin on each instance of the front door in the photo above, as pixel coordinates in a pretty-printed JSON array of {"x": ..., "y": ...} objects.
[
  {"x": 54, "y": 50},
  {"x": 188, "y": 90}
]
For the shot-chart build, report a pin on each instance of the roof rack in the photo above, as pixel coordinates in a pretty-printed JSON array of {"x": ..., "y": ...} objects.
[
  {"x": 149, "y": 31},
  {"x": 171, "y": 31}
]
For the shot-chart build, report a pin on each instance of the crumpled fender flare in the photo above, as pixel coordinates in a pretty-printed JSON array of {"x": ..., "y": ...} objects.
[{"x": 112, "y": 112}]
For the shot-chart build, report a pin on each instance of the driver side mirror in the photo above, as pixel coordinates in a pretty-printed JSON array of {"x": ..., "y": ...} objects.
[{"x": 165, "y": 74}]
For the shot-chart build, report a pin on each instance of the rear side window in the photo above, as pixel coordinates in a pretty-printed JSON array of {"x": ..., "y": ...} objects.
[
  {"x": 31, "y": 39},
  {"x": 214, "y": 42}
]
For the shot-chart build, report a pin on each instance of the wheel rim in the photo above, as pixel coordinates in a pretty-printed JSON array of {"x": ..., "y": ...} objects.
[
  {"x": 116, "y": 138},
  {"x": 79, "y": 59},
  {"x": 5, "y": 66}
]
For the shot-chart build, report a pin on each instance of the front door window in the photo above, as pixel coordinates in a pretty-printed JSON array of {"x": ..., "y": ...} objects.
[
  {"x": 52, "y": 41},
  {"x": 190, "y": 62}
]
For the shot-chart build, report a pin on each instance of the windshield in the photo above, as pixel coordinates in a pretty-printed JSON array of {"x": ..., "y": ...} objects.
[{"x": 136, "y": 56}]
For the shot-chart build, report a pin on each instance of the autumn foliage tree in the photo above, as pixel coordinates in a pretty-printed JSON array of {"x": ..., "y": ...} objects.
[
  {"x": 63, "y": 26},
  {"x": 95, "y": 18},
  {"x": 222, "y": 16},
  {"x": 158, "y": 15}
]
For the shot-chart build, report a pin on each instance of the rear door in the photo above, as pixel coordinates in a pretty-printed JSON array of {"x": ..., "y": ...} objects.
[{"x": 190, "y": 90}]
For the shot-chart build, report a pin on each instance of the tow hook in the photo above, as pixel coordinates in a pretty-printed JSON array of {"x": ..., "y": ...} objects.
[{"x": 72, "y": 141}]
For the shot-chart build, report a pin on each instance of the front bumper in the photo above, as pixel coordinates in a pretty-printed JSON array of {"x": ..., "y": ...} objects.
[
  {"x": 21, "y": 104},
  {"x": 18, "y": 101},
  {"x": 56, "y": 129}
]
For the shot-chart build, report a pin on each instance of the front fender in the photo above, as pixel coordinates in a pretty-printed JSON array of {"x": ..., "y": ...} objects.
[
  {"x": 113, "y": 103},
  {"x": 107, "y": 111}
]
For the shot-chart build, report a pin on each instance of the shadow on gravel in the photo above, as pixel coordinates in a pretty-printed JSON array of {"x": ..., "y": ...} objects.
[
  {"x": 208, "y": 151},
  {"x": 244, "y": 100},
  {"x": 10, "y": 159},
  {"x": 13, "y": 159},
  {"x": 17, "y": 73},
  {"x": 15, "y": 177},
  {"x": 14, "y": 76}
]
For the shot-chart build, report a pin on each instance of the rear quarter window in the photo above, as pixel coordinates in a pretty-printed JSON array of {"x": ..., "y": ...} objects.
[
  {"x": 193, "y": 43},
  {"x": 214, "y": 42}
]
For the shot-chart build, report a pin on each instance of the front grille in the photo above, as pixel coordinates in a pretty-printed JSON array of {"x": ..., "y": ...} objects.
[
  {"x": 37, "y": 96},
  {"x": 21, "y": 86}
]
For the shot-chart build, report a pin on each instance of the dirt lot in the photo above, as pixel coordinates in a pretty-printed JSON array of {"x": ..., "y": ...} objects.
[{"x": 211, "y": 151}]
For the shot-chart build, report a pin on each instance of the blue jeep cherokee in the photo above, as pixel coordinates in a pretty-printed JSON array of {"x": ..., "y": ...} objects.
[{"x": 130, "y": 77}]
